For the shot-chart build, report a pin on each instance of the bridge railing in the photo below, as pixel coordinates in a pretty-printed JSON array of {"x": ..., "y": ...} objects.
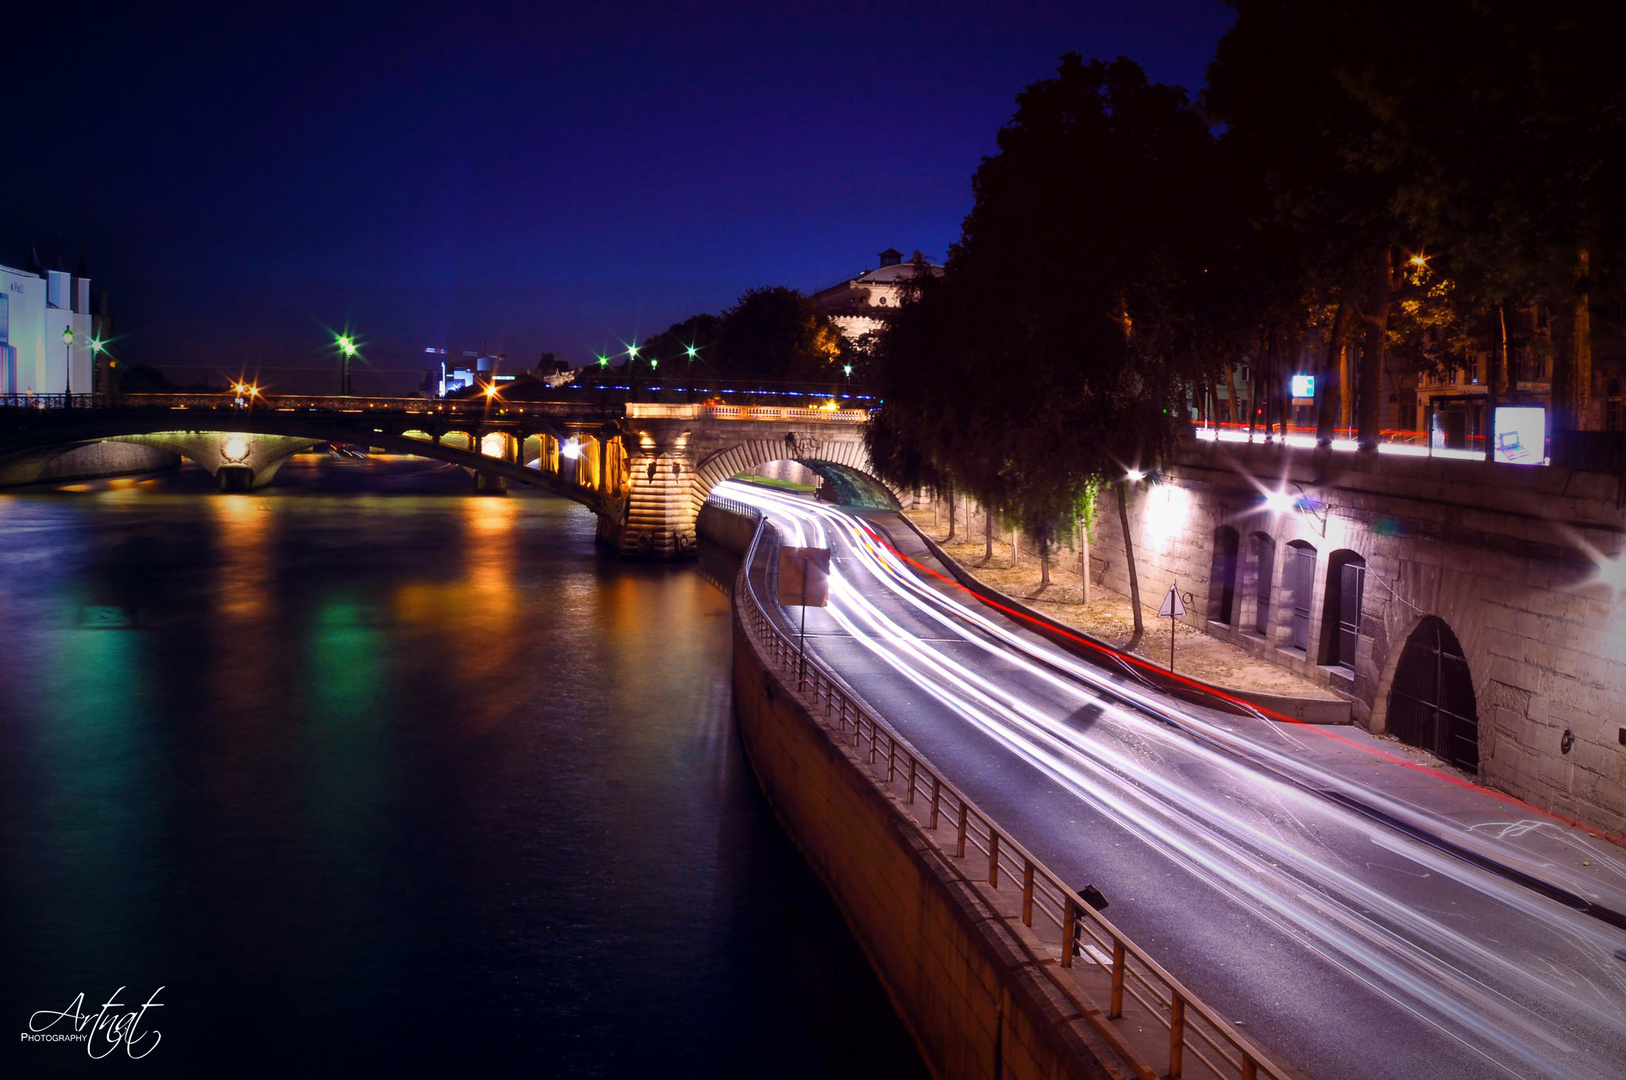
[
  {"x": 49, "y": 401},
  {"x": 452, "y": 408},
  {"x": 1101, "y": 961}
]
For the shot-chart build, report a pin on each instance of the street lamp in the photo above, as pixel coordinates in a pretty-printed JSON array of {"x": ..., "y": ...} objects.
[
  {"x": 67, "y": 367},
  {"x": 96, "y": 350},
  {"x": 347, "y": 346}
]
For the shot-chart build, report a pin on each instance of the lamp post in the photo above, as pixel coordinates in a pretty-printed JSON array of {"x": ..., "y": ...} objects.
[
  {"x": 347, "y": 346},
  {"x": 67, "y": 367},
  {"x": 96, "y": 350}
]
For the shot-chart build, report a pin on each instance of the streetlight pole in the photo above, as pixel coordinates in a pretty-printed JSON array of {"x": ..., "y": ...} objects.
[
  {"x": 96, "y": 350},
  {"x": 347, "y": 346},
  {"x": 67, "y": 367}
]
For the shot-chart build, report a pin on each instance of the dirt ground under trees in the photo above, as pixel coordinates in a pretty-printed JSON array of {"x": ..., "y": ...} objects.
[{"x": 1109, "y": 618}]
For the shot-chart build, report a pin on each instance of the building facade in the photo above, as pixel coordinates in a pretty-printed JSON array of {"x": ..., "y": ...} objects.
[
  {"x": 35, "y": 308},
  {"x": 860, "y": 304}
]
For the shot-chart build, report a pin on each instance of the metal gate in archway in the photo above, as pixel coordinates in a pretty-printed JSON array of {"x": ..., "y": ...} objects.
[{"x": 1431, "y": 703}]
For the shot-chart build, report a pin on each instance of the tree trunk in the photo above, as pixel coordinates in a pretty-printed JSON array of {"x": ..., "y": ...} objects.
[
  {"x": 987, "y": 536},
  {"x": 1016, "y": 534},
  {"x": 1084, "y": 563},
  {"x": 1496, "y": 365},
  {"x": 1129, "y": 563},
  {"x": 1044, "y": 561},
  {"x": 1253, "y": 389},
  {"x": 1572, "y": 355},
  {"x": 1370, "y": 392},
  {"x": 949, "y": 539},
  {"x": 1327, "y": 389},
  {"x": 1230, "y": 393}
]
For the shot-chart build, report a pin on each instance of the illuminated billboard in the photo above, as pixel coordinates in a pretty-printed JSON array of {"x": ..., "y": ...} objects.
[
  {"x": 1520, "y": 434},
  {"x": 1303, "y": 386}
]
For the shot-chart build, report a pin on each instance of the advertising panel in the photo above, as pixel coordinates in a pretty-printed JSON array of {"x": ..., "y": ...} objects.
[{"x": 1521, "y": 435}]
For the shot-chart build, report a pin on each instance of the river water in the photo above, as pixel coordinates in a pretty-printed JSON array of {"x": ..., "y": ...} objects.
[{"x": 372, "y": 774}]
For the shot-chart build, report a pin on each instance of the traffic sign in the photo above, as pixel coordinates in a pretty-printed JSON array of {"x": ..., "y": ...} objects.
[{"x": 1172, "y": 605}]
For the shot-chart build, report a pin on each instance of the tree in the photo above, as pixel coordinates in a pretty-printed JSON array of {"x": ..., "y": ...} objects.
[
  {"x": 1055, "y": 350},
  {"x": 690, "y": 345},
  {"x": 1481, "y": 137},
  {"x": 779, "y": 334}
]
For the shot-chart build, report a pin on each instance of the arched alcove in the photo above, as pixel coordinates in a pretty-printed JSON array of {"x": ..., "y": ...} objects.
[
  {"x": 1262, "y": 571},
  {"x": 1298, "y": 589},
  {"x": 1341, "y": 611},
  {"x": 1222, "y": 576},
  {"x": 1431, "y": 699}
]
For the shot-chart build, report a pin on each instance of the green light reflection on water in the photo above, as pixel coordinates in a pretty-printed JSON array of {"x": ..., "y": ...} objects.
[
  {"x": 101, "y": 795},
  {"x": 345, "y": 718}
]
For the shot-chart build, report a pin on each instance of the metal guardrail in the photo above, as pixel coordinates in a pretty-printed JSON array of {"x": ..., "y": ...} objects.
[{"x": 1101, "y": 960}]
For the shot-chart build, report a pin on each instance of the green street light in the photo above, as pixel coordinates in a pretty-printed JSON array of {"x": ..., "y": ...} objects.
[
  {"x": 67, "y": 367},
  {"x": 692, "y": 352},
  {"x": 603, "y": 361},
  {"x": 847, "y": 370},
  {"x": 653, "y": 363},
  {"x": 632, "y": 351},
  {"x": 347, "y": 346}
]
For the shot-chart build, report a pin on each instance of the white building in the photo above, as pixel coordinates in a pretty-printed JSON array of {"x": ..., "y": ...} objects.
[
  {"x": 860, "y": 305},
  {"x": 34, "y": 310}
]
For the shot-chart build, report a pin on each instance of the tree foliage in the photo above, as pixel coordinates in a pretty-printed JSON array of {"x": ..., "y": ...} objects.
[{"x": 1053, "y": 351}]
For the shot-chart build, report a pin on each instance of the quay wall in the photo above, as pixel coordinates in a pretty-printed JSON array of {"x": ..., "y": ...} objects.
[{"x": 976, "y": 1000}]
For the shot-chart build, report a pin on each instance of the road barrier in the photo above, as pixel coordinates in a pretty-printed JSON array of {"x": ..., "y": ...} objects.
[{"x": 1098, "y": 960}]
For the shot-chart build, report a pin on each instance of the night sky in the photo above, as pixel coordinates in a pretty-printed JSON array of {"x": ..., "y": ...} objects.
[{"x": 536, "y": 177}]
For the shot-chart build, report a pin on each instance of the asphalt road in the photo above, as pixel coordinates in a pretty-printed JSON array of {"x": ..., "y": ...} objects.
[{"x": 1353, "y": 931}]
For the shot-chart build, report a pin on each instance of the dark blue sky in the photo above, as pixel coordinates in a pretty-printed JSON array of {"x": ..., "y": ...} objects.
[{"x": 536, "y": 177}]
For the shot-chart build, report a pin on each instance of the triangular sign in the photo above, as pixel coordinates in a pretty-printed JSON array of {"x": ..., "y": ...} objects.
[{"x": 1172, "y": 606}]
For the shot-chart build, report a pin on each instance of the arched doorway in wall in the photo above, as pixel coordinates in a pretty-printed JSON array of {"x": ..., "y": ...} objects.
[
  {"x": 1431, "y": 702},
  {"x": 1341, "y": 619},
  {"x": 1222, "y": 576},
  {"x": 1298, "y": 582},
  {"x": 1264, "y": 569}
]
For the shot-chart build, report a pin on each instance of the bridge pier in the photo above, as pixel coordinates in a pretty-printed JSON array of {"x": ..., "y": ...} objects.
[
  {"x": 235, "y": 478},
  {"x": 655, "y": 516},
  {"x": 488, "y": 483}
]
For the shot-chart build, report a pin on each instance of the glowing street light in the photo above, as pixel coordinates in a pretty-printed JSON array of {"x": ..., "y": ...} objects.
[
  {"x": 691, "y": 352},
  {"x": 1134, "y": 476},
  {"x": 67, "y": 367},
  {"x": 847, "y": 370},
  {"x": 571, "y": 449},
  {"x": 1279, "y": 502},
  {"x": 347, "y": 346},
  {"x": 96, "y": 350}
]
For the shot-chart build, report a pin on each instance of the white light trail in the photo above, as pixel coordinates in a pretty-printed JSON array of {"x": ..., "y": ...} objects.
[{"x": 1439, "y": 972}]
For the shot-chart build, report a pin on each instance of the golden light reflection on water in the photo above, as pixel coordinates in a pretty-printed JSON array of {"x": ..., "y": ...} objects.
[
  {"x": 477, "y": 615},
  {"x": 242, "y": 532}
]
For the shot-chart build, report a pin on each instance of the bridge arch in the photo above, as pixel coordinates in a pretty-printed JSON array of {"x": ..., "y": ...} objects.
[{"x": 843, "y": 463}]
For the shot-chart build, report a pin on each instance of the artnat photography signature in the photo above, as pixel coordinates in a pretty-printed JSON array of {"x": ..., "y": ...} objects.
[{"x": 103, "y": 1030}]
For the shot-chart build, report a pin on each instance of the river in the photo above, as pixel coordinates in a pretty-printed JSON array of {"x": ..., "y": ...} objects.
[{"x": 368, "y": 773}]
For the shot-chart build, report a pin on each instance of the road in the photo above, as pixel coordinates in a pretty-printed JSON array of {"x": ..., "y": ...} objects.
[{"x": 1355, "y": 932}]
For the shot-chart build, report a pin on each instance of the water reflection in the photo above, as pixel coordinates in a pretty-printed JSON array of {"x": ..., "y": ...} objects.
[{"x": 422, "y": 777}]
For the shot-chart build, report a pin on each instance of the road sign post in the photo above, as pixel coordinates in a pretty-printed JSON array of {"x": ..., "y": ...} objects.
[
  {"x": 804, "y": 580},
  {"x": 1173, "y": 607}
]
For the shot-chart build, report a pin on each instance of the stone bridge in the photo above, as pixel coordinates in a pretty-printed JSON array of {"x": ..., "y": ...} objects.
[{"x": 644, "y": 467}]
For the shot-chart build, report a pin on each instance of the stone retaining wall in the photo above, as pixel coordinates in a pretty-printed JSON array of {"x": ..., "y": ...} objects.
[{"x": 977, "y": 1002}]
